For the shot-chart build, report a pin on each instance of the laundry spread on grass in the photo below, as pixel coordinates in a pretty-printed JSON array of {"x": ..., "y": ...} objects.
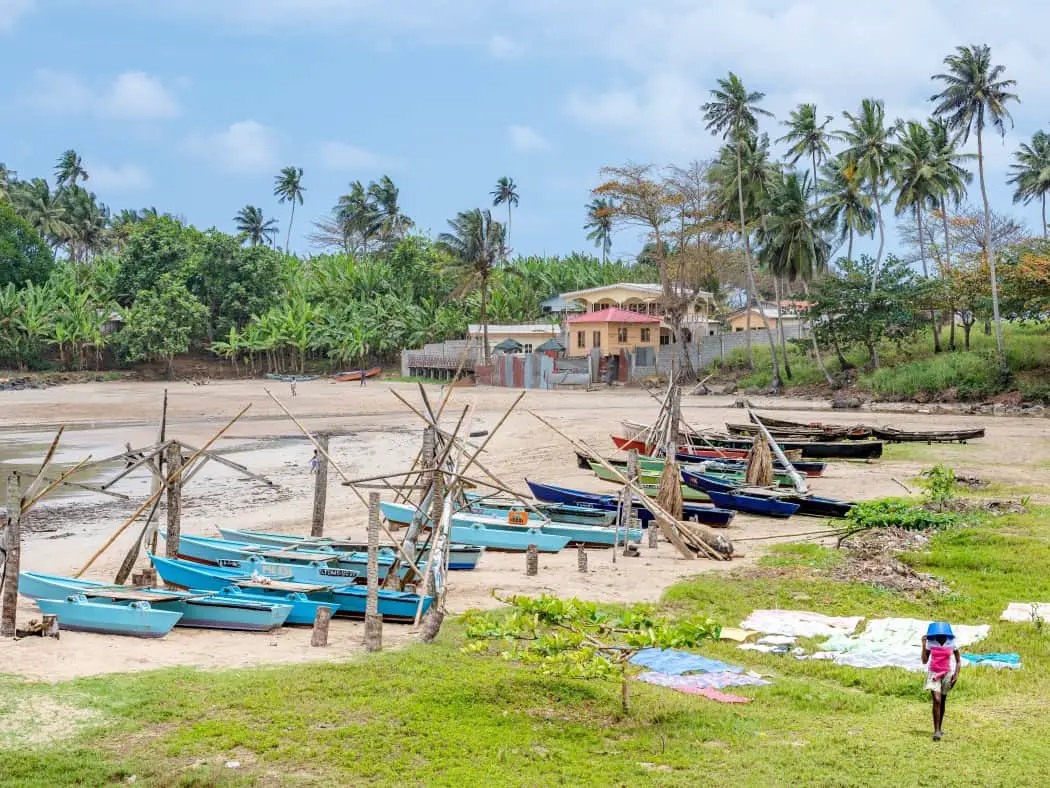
[
  {"x": 800, "y": 623},
  {"x": 668, "y": 668},
  {"x": 675, "y": 663},
  {"x": 1007, "y": 660},
  {"x": 892, "y": 642},
  {"x": 699, "y": 681},
  {"x": 1026, "y": 612}
]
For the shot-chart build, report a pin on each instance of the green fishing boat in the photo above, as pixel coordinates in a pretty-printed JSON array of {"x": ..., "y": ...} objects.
[{"x": 649, "y": 483}]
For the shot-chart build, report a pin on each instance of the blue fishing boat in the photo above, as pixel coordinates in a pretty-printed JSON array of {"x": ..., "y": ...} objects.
[
  {"x": 137, "y": 618},
  {"x": 709, "y": 515},
  {"x": 563, "y": 513},
  {"x": 812, "y": 505},
  {"x": 461, "y": 556},
  {"x": 205, "y": 610},
  {"x": 344, "y": 600},
  {"x": 768, "y": 507},
  {"x": 600, "y": 536},
  {"x": 473, "y": 531}
]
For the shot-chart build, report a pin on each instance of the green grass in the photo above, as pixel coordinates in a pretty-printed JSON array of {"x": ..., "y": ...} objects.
[
  {"x": 432, "y": 715},
  {"x": 410, "y": 379}
]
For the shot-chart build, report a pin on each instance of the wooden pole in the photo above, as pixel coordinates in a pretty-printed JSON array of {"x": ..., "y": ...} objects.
[
  {"x": 319, "y": 636},
  {"x": 796, "y": 478},
  {"x": 532, "y": 561},
  {"x": 581, "y": 558},
  {"x": 373, "y": 620},
  {"x": 159, "y": 476},
  {"x": 174, "y": 502},
  {"x": 156, "y": 495},
  {"x": 13, "y": 553},
  {"x": 320, "y": 487}
]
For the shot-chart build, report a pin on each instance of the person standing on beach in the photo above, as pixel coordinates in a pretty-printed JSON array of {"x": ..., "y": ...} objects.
[
  {"x": 938, "y": 651},
  {"x": 363, "y": 377}
]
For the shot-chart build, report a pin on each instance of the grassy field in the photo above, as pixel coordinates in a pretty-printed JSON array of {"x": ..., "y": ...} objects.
[
  {"x": 431, "y": 715},
  {"x": 912, "y": 370}
]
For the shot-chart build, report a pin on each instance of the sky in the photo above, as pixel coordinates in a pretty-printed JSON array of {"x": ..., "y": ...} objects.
[{"x": 193, "y": 106}]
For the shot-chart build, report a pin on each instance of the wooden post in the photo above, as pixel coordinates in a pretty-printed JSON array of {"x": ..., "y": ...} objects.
[
  {"x": 373, "y": 619},
  {"x": 174, "y": 461},
  {"x": 320, "y": 487},
  {"x": 581, "y": 558},
  {"x": 532, "y": 561},
  {"x": 654, "y": 534},
  {"x": 319, "y": 637},
  {"x": 50, "y": 625},
  {"x": 12, "y": 550}
]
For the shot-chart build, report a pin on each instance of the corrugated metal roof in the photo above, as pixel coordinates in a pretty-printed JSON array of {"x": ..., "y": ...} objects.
[{"x": 614, "y": 315}]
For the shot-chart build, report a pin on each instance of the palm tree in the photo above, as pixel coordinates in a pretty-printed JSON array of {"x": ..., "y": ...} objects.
[
  {"x": 69, "y": 170},
  {"x": 506, "y": 191},
  {"x": 600, "y": 224},
  {"x": 254, "y": 226},
  {"x": 37, "y": 204},
  {"x": 476, "y": 244},
  {"x": 1032, "y": 172},
  {"x": 288, "y": 187},
  {"x": 870, "y": 144},
  {"x": 391, "y": 223},
  {"x": 975, "y": 94},
  {"x": 733, "y": 113},
  {"x": 808, "y": 138},
  {"x": 845, "y": 204},
  {"x": 8, "y": 178}
]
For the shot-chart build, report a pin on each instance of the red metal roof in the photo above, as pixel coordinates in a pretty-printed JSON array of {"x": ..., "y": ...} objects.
[{"x": 613, "y": 315}]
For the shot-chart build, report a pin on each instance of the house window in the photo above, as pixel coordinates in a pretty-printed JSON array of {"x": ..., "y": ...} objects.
[
  {"x": 596, "y": 339},
  {"x": 621, "y": 335},
  {"x": 665, "y": 339},
  {"x": 580, "y": 339},
  {"x": 647, "y": 334},
  {"x": 526, "y": 348}
]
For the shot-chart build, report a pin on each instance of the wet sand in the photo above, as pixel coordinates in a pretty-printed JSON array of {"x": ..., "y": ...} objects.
[{"x": 374, "y": 433}]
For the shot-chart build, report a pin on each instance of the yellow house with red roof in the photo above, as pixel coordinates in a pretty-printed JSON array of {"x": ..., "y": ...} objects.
[{"x": 611, "y": 330}]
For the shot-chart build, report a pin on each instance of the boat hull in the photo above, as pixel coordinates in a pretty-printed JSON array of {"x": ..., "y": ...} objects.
[
  {"x": 810, "y": 505},
  {"x": 708, "y": 515},
  {"x": 767, "y": 507},
  {"x": 469, "y": 530},
  {"x": 137, "y": 619},
  {"x": 346, "y": 377}
]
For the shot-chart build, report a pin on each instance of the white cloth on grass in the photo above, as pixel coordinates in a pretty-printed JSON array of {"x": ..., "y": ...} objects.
[
  {"x": 1026, "y": 612},
  {"x": 800, "y": 623},
  {"x": 892, "y": 642}
]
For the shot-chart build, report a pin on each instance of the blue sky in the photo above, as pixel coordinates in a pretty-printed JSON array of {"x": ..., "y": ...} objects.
[{"x": 193, "y": 105}]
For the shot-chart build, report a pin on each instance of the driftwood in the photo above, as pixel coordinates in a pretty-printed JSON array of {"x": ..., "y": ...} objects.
[
  {"x": 319, "y": 636},
  {"x": 47, "y": 628}
]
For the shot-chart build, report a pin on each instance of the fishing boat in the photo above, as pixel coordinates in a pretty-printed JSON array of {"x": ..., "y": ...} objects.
[
  {"x": 822, "y": 432},
  {"x": 650, "y": 473},
  {"x": 656, "y": 465},
  {"x": 205, "y": 610},
  {"x": 768, "y": 507},
  {"x": 899, "y": 435},
  {"x": 461, "y": 557},
  {"x": 648, "y": 483},
  {"x": 708, "y": 453},
  {"x": 811, "y": 505},
  {"x": 344, "y": 600},
  {"x": 502, "y": 534},
  {"x": 563, "y": 513},
  {"x": 708, "y": 515},
  {"x": 807, "y": 449},
  {"x": 137, "y": 618},
  {"x": 347, "y": 377},
  {"x": 598, "y": 536},
  {"x": 290, "y": 378}
]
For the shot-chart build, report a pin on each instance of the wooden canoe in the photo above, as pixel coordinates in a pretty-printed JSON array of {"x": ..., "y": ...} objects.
[
  {"x": 897, "y": 435},
  {"x": 346, "y": 377},
  {"x": 822, "y": 432}
]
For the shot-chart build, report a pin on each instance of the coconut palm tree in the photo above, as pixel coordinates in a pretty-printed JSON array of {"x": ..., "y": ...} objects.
[
  {"x": 733, "y": 113},
  {"x": 976, "y": 94},
  {"x": 870, "y": 143},
  {"x": 8, "y": 178},
  {"x": 44, "y": 209},
  {"x": 254, "y": 226},
  {"x": 1032, "y": 172},
  {"x": 288, "y": 187},
  {"x": 845, "y": 204},
  {"x": 69, "y": 170},
  {"x": 600, "y": 224},
  {"x": 476, "y": 244},
  {"x": 391, "y": 223},
  {"x": 807, "y": 137},
  {"x": 506, "y": 191}
]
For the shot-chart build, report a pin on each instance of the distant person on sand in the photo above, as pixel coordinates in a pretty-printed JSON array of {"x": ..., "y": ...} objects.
[
  {"x": 363, "y": 378},
  {"x": 293, "y": 387},
  {"x": 315, "y": 461},
  {"x": 938, "y": 650}
]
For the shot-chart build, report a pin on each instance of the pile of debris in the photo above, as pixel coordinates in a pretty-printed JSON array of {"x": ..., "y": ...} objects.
[{"x": 872, "y": 558}]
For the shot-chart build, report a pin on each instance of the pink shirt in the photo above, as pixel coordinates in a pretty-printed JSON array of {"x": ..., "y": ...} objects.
[{"x": 940, "y": 659}]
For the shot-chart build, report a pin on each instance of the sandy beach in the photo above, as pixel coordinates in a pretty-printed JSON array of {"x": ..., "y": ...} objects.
[{"x": 374, "y": 433}]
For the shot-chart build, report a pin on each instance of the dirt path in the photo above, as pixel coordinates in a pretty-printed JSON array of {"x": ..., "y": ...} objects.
[{"x": 376, "y": 434}]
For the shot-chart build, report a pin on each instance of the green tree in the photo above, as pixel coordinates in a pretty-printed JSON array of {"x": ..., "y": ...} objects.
[
  {"x": 869, "y": 143},
  {"x": 807, "y": 137},
  {"x": 43, "y": 209},
  {"x": 255, "y": 227},
  {"x": 8, "y": 179},
  {"x": 162, "y": 324},
  {"x": 288, "y": 187},
  {"x": 845, "y": 204},
  {"x": 476, "y": 245},
  {"x": 733, "y": 114},
  {"x": 69, "y": 170},
  {"x": 391, "y": 224},
  {"x": 155, "y": 247},
  {"x": 975, "y": 95},
  {"x": 24, "y": 255},
  {"x": 1031, "y": 172},
  {"x": 506, "y": 192},
  {"x": 600, "y": 224}
]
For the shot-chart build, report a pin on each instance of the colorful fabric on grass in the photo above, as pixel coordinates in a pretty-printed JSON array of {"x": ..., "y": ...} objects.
[
  {"x": 722, "y": 697},
  {"x": 703, "y": 681},
  {"x": 1007, "y": 660},
  {"x": 675, "y": 663},
  {"x": 892, "y": 643},
  {"x": 800, "y": 623}
]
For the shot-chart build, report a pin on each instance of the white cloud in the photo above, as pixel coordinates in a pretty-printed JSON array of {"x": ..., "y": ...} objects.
[
  {"x": 503, "y": 48},
  {"x": 133, "y": 95},
  {"x": 343, "y": 157},
  {"x": 119, "y": 178},
  {"x": 11, "y": 11},
  {"x": 137, "y": 95},
  {"x": 245, "y": 147},
  {"x": 526, "y": 138}
]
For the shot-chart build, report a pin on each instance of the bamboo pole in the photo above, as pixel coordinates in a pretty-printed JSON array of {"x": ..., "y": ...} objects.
[
  {"x": 156, "y": 495},
  {"x": 174, "y": 501},
  {"x": 373, "y": 620},
  {"x": 27, "y": 505},
  {"x": 36, "y": 482},
  {"x": 320, "y": 488},
  {"x": 796, "y": 479}
]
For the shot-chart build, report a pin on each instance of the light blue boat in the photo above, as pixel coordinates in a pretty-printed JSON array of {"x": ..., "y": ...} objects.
[
  {"x": 471, "y": 529},
  {"x": 345, "y": 600},
  {"x": 214, "y": 551},
  {"x": 137, "y": 619},
  {"x": 563, "y": 513},
  {"x": 460, "y": 556},
  {"x": 205, "y": 610}
]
